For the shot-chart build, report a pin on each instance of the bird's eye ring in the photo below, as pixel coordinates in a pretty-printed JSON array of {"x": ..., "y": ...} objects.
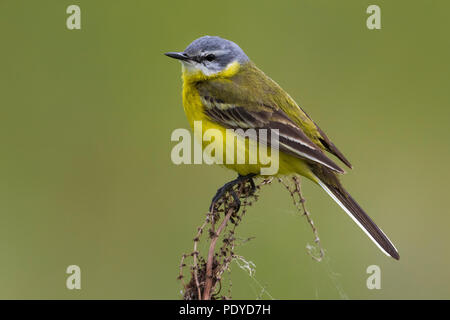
[{"x": 210, "y": 57}]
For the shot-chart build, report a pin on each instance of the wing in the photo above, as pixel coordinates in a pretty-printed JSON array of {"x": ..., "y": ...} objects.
[
  {"x": 326, "y": 143},
  {"x": 265, "y": 95},
  {"x": 229, "y": 104}
]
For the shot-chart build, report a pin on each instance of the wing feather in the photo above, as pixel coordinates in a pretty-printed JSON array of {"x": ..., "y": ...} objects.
[{"x": 292, "y": 139}]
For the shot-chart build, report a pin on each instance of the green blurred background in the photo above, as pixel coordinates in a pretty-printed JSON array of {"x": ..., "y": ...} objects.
[{"x": 85, "y": 123}]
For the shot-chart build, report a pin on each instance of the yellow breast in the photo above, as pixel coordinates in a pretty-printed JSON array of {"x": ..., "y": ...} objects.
[{"x": 193, "y": 107}]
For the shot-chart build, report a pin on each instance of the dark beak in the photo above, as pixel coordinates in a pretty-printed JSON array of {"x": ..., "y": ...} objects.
[{"x": 177, "y": 55}]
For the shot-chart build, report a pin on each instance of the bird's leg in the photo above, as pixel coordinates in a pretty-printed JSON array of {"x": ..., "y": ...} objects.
[{"x": 228, "y": 187}]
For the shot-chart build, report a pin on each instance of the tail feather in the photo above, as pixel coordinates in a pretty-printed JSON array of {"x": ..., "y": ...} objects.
[{"x": 351, "y": 207}]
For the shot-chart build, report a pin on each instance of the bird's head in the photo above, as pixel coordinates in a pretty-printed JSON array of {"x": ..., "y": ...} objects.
[{"x": 209, "y": 56}]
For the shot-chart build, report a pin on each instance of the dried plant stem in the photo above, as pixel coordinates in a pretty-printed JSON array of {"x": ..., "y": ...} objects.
[
  {"x": 206, "y": 273},
  {"x": 300, "y": 204},
  {"x": 195, "y": 253},
  {"x": 212, "y": 247}
]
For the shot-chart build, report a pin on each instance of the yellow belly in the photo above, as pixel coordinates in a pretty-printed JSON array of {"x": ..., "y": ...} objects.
[{"x": 288, "y": 164}]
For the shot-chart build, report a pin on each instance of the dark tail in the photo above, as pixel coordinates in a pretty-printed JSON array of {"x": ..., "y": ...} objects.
[{"x": 330, "y": 183}]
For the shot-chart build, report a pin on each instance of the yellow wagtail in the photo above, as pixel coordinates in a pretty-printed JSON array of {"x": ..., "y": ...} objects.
[{"x": 224, "y": 90}]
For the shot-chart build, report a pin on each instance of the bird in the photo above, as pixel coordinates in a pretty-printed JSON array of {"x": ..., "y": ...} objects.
[{"x": 225, "y": 90}]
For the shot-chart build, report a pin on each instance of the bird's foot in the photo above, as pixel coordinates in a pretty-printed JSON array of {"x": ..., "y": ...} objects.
[{"x": 228, "y": 187}]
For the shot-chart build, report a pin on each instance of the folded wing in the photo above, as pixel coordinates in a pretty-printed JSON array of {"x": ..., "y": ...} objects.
[{"x": 292, "y": 139}]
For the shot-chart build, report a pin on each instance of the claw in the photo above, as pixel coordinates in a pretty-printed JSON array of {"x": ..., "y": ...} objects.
[
  {"x": 228, "y": 187},
  {"x": 252, "y": 185},
  {"x": 237, "y": 202}
]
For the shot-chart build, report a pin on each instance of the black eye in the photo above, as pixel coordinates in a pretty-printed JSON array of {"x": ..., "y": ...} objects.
[{"x": 210, "y": 57}]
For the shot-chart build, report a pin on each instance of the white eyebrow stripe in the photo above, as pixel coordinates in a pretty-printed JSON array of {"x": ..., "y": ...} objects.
[{"x": 219, "y": 51}]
